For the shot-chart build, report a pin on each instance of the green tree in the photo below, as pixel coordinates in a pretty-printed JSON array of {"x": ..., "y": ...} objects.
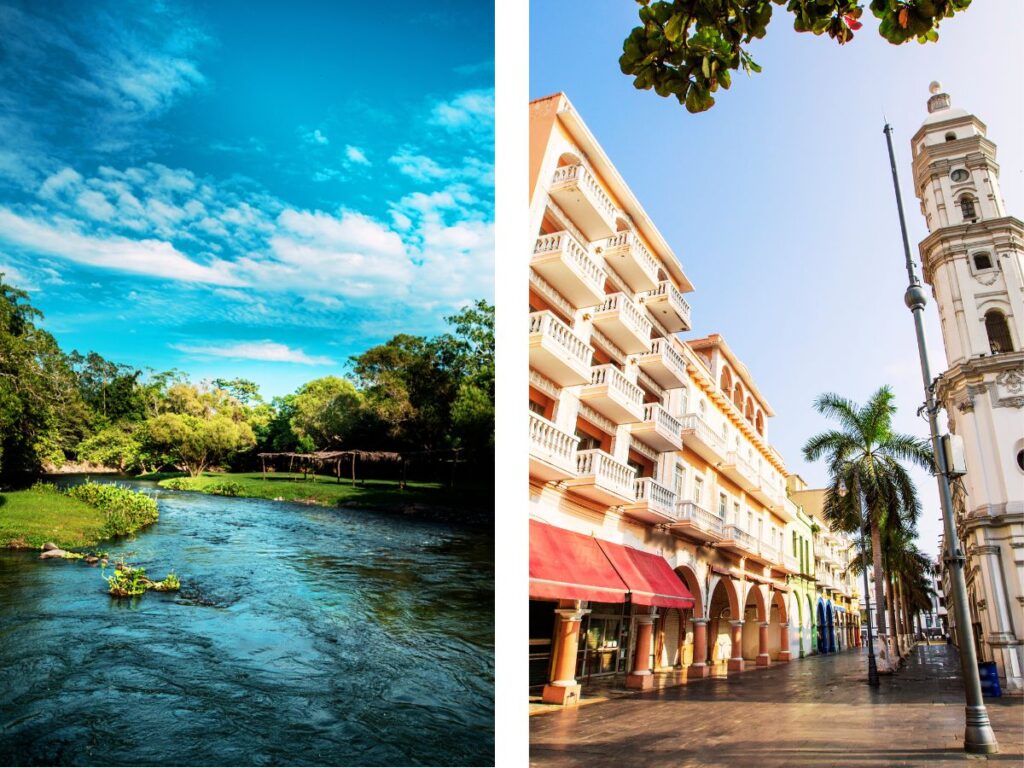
[
  {"x": 866, "y": 456},
  {"x": 690, "y": 48},
  {"x": 119, "y": 446},
  {"x": 195, "y": 443},
  {"x": 325, "y": 412}
]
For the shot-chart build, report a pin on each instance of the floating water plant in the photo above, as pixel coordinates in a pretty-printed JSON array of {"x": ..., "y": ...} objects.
[{"x": 131, "y": 582}]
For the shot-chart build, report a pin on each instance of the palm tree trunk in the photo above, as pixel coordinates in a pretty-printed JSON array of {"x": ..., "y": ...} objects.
[
  {"x": 894, "y": 631},
  {"x": 876, "y": 563}
]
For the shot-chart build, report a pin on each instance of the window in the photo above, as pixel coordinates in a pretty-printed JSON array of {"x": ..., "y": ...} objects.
[
  {"x": 698, "y": 490},
  {"x": 722, "y": 503},
  {"x": 682, "y": 401},
  {"x": 998, "y": 332},
  {"x": 1020, "y": 460},
  {"x": 536, "y": 407},
  {"x": 735, "y": 511},
  {"x": 967, "y": 207},
  {"x": 678, "y": 479},
  {"x": 950, "y": 136},
  {"x": 587, "y": 443},
  {"x": 982, "y": 261}
]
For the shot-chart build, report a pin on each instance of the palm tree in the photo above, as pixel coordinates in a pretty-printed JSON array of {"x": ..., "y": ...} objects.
[{"x": 867, "y": 456}]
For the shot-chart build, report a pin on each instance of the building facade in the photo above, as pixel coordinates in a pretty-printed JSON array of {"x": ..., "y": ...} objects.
[
  {"x": 661, "y": 534},
  {"x": 973, "y": 258}
]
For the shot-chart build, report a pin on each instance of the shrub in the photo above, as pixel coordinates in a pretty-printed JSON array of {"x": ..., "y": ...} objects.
[
  {"x": 126, "y": 510},
  {"x": 225, "y": 489},
  {"x": 178, "y": 484}
]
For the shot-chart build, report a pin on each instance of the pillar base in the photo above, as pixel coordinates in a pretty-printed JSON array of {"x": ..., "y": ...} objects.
[
  {"x": 698, "y": 670},
  {"x": 563, "y": 695},
  {"x": 736, "y": 665},
  {"x": 640, "y": 682},
  {"x": 785, "y": 656},
  {"x": 763, "y": 660}
]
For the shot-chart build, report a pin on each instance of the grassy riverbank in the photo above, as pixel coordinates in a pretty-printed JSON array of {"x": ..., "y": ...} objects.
[
  {"x": 426, "y": 499},
  {"x": 30, "y": 518}
]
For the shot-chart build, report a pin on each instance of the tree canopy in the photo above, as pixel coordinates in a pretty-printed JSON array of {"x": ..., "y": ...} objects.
[{"x": 690, "y": 48}]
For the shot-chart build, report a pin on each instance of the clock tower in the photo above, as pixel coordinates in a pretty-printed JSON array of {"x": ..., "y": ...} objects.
[{"x": 973, "y": 259}]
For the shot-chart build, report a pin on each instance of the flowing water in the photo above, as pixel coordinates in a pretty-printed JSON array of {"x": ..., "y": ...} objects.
[{"x": 301, "y": 635}]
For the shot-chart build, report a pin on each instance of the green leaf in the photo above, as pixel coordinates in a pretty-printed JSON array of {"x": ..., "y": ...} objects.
[{"x": 674, "y": 28}]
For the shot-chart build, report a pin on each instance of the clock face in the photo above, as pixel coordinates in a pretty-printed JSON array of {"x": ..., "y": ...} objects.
[{"x": 959, "y": 175}]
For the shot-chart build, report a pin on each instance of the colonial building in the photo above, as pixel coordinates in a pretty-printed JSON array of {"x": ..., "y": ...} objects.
[
  {"x": 973, "y": 257},
  {"x": 661, "y": 535}
]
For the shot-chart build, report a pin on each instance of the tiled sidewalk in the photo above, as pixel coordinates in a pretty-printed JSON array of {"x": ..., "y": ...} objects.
[{"x": 813, "y": 712}]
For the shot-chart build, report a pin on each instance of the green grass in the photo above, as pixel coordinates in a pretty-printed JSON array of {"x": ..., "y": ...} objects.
[
  {"x": 29, "y": 519},
  {"x": 326, "y": 491}
]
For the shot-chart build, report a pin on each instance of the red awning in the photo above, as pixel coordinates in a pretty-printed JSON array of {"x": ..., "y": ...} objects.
[
  {"x": 650, "y": 578},
  {"x": 565, "y": 565}
]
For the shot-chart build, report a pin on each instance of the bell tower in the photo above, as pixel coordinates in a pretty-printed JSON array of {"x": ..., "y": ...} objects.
[{"x": 973, "y": 259}]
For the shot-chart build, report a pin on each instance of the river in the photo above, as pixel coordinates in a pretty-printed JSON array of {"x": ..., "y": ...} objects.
[{"x": 301, "y": 635}]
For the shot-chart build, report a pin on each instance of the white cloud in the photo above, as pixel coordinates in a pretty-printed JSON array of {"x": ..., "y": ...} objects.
[
  {"x": 356, "y": 155},
  {"x": 95, "y": 205},
  {"x": 315, "y": 137},
  {"x": 149, "y": 257},
  {"x": 64, "y": 179},
  {"x": 266, "y": 351},
  {"x": 418, "y": 167},
  {"x": 470, "y": 109}
]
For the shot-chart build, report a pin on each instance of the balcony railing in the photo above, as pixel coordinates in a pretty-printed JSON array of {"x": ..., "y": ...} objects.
[
  {"x": 555, "y": 448},
  {"x": 659, "y": 501},
  {"x": 580, "y": 195},
  {"x": 607, "y": 474},
  {"x": 791, "y": 563},
  {"x": 624, "y": 323},
  {"x": 740, "y": 469},
  {"x": 631, "y": 260},
  {"x": 568, "y": 267},
  {"x": 702, "y": 519},
  {"x": 705, "y": 440},
  {"x": 664, "y": 364},
  {"x": 667, "y": 304},
  {"x": 614, "y": 396},
  {"x": 659, "y": 429},
  {"x": 741, "y": 537},
  {"x": 557, "y": 352}
]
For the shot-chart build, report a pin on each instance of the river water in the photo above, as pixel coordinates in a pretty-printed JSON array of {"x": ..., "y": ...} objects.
[{"x": 302, "y": 635}]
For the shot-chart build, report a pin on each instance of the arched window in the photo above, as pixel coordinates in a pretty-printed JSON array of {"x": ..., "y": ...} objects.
[
  {"x": 998, "y": 332},
  {"x": 967, "y": 208},
  {"x": 951, "y": 136},
  {"x": 737, "y": 395},
  {"x": 759, "y": 424},
  {"x": 726, "y": 381},
  {"x": 748, "y": 410}
]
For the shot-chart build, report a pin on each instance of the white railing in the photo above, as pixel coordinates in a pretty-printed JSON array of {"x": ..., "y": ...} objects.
[
  {"x": 658, "y": 497},
  {"x": 550, "y": 443},
  {"x": 663, "y": 421},
  {"x": 771, "y": 485},
  {"x": 769, "y": 552},
  {"x": 702, "y": 518},
  {"x": 574, "y": 253},
  {"x": 606, "y": 471},
  {"x": 674, "y": 360},
  {"x": 629, "y": 312},
  {"x": 546, "y": 324},
  {"x": 618, "y": 383},
  {"x": 744, "y": 467},
  {"x": 674, "y": 296},
  {"x": 628, "y": 240},
  {"x": 791, "y": 563},
  {"x": 692, "y": 422},
  {"x": 737, "y": 534},
  {"x": 584, "y": 179}
]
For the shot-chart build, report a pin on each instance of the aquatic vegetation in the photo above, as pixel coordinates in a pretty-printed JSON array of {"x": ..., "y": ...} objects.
[
  {"x": 126, "y": 510},
  {"x": 131, "y": 582}
]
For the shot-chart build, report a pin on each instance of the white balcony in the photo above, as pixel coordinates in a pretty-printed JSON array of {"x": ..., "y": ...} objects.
[
  {"x": 664, "y": 365},
  {"x": 567, "y": 266},
  {"x": 698, "y": 523},
  {"x": 578, "y": 193},
  {"x": 824, "y": 579},
  {"x": 739, "y": 470},
  {"x": 614, "y": 396},
  {"x": 697, "y": 434},
  {"x": 556, "y": 352},
  {"x": 654, "y": 502},
  {"x": 622, "y": 321},
  {"x": 788, "y": 564},
  {"x": 738, "y": 541},
  {"x": 769, "y": 490},
  {"x": 667, "y": 305},
  {"x": 659, "y": 429},
  {"x": 601, "y": 478},
  {"x": 624, "y": 253},
  {"x": 552, "y": 451}
]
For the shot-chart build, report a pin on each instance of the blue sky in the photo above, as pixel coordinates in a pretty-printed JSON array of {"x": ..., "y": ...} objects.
[
  {"x": 246, "y": 188},
  {"x": 779, "y": 200}
]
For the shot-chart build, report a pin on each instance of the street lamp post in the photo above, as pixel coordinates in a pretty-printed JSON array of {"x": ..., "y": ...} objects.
[
  {"x": 872, "y": 665},
  {"x": 978, "y": 735}
]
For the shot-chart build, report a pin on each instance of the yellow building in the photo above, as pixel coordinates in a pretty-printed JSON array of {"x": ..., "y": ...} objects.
[{"x": 660, "y": 521}]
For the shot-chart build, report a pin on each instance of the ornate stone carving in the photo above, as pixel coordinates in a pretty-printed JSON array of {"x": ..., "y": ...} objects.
[
  {"x": 987, "y": 278},
  {"x": 1012, "y": 380}
]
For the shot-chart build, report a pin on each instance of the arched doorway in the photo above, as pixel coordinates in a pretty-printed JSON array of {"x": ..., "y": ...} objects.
[
  {"x": 723, "y": 608},
  {"x": 830, "y": 635},
  {"x": 811, "y": 627},
  {"x": 755, "y": 613},
  {"x": 822, "y": 643},
  {"x": 686, "y": 653},
  {"x": 779, "y": 629}
]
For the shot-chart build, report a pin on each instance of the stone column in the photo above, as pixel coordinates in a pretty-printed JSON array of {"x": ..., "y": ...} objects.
[
  {"x": 763, "y": 658},
  {"x": 641, "y": 676},
  {"x": 699, "y": 668},
  {"x": 563, "y": 688},
  {"x": 784, "y": 653},
  {"x": 736, "y": 634}
]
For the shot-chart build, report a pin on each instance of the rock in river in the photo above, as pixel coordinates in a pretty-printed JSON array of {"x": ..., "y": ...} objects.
[
  {"x": 52, "y": 553},
  {"x": 49, "y": 545}
]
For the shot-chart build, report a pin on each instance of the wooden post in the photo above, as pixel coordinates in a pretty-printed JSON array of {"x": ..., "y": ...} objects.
[
  {"x": 337, "y": 470},
  {"x": 353, "y": 469},
  {"x": 263, "y": 464}
]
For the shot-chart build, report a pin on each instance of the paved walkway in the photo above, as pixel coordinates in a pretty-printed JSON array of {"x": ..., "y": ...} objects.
[{"x": 812, "y": 712}]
